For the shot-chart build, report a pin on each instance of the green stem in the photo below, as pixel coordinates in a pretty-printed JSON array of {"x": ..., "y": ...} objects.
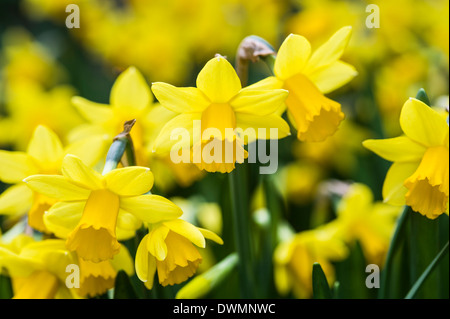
[
  {"x": 393, "y": 248},
  {"x": 418, "y": 284},
  {"x": 242, "y": 232}
]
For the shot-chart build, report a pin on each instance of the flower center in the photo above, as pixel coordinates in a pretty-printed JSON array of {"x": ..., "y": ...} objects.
[
  {"x": 218, "y": 121},
  {"x": 428, "y": 187}
]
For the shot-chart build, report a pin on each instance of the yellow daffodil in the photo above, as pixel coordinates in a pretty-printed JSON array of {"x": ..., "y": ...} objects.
[
  {"x": 419, "y": 175},
  {"x": 371, "y": 223},
  {"x": 169, "y": 250},
  {"x": 131, "y": 98},
  {"x": 37, "y": 268},
  {"x": 44, "y": 155},
  {"x": 220, "y": 104},
  {"x": 92, "y": 206},
  {"x": 294, "y": 259},
  {"x": 308, "y": 76}
]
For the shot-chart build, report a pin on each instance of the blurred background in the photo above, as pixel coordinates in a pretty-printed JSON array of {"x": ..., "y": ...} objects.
[{"x": 43, "y": 64}]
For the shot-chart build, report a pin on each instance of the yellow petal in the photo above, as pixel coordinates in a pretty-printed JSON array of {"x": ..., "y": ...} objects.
[
  {"x": 77, "y": 172},
  {"x": 15, "y": 166},
  {"x": 332, "y": 77},
  {"x": 182, "y": 123},
  {"x": 62, "y": 218},
  {"x": 218, "y": 80},
  {"x": 210, "y": 235},
  {"x": 91, "y": 111},
  {"x": 150, "y": 208},
  {"x": 145, "y": 264},
  {"x": 156, "y": 244},
  {"x": 269, "y": 83},
  {"x": 46, "y": 148},
  {"x": 253, "y": 125},
  {"x": 91, "y": 149},
  {"x": 292, "y": 56},
  {"x": 123, "y": 261},
  {"x": 127, "y": 223},
  {"x": 16, "y": 199},
  {"x": 187, "y": 230},
  {"x": 393, "y": 189},
  {"x": 40, "y": 285},
  {"x": 258, "y": 102},
  {"x": 423, "y": 124},
  {"x": 17, "y": 267},
  {"x": 129, "y": 181},
  {"x": 397, "y": 149},
  {"x": 180, "y": 100},
  {"x": 330, "y": 51},
  {"x": 131, "y": 91},
  {"x": 57, "y": 186}
]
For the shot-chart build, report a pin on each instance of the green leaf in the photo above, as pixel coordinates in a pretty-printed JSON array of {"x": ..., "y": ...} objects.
[
  {"x": 424, "y": 247},
  {"x": 6, "y": 291},
  {"x": 394, "y": 247},
  {"x": 123, "y": 288},
  {"x": 418, "y": 284},
  {"x": 321, "y": 290}
]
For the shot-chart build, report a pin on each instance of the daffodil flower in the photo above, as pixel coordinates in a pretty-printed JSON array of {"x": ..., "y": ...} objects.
[
  {"x": 131, "y": 98},
  {"x": 308, "y": 77},
  {"x": 37, "y": 268},
  {"x": 169, "y": 249},
  {"x": 371, "y": 223},
  {"x": 92, "y": 206},
  {"x": 44, "y": 155},
  {"x": 419, "y": 175},
  {"x": 294, "y": 259},
  {"x": 219, "y": 103}
]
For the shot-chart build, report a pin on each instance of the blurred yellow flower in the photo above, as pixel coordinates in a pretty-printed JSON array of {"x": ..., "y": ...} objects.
[
  {"x": 131, "y": 33},
  {"x": 92, "y": 206},
  {"x": 370, "y": 223},
  {"x": 44, "y": 155},
  {"x": 294, "y": 259},
  {"x": 419, "y": 176},
  {"x": 219, "y": 103},
  {"x": 339, "y": 152},
  {"x": 308, "y": 77},
  {"x": 168, "y": 249},
  {"x": 37, "y": 268},
  {"x": 131, "y": 98}
]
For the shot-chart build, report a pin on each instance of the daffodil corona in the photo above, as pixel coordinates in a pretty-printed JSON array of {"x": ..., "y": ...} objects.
[
  {"x": 44, "y": 155},
  {"x": 419, "y": 176}
]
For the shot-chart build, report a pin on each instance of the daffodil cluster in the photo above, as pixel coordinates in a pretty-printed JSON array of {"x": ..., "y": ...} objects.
[{"x": 131, "y": 142}]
